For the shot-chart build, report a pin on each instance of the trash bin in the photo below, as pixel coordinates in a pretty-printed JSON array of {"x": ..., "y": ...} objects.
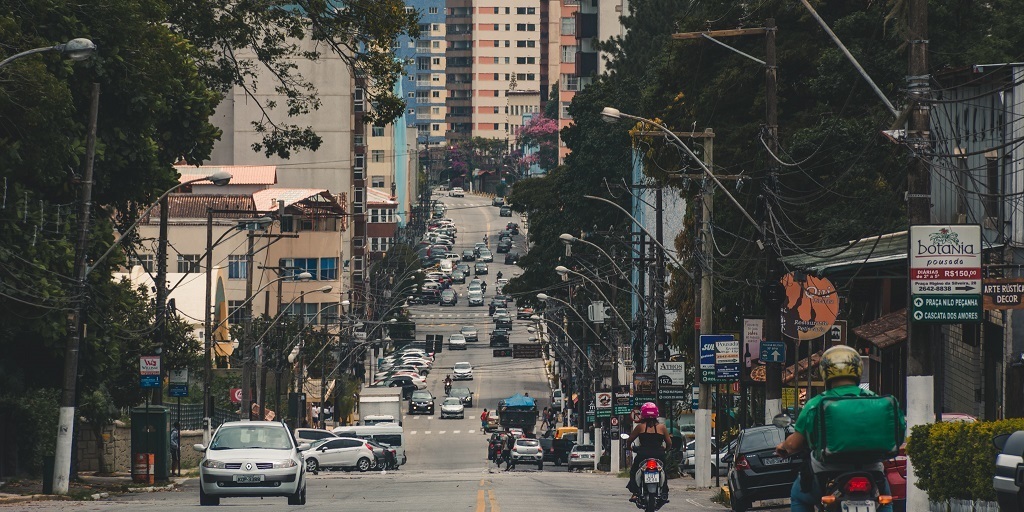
[
  {"x": 142, "y": 468},
  {"x": 48, "y": 463},
  {"x": 151, "y": 435}
]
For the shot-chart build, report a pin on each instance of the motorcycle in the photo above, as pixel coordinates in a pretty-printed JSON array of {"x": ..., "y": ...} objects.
[
  {"x": 447, "y": 388},
  {"x": 650, "y": 477},
  {"x": 849, "y": 491}
]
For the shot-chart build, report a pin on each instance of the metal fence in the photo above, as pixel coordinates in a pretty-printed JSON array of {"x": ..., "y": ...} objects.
[{"x": 192, "y": 416}]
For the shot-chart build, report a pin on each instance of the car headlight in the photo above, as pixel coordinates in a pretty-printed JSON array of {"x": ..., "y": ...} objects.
[
  {"x": 288, "y": 463},
  {"x": 214, "y": 464}
]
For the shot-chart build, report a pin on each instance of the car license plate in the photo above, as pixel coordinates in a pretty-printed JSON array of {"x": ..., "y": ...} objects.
[
  {"x": 652, "y": 477},
  {"x": 858, "y": 506},
  {"x": 771, "y": 461},
  {"x": 248, "y": 479}
]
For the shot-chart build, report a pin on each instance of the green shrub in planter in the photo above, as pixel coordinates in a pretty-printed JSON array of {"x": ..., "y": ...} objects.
[{"x": 956, "y": 460}]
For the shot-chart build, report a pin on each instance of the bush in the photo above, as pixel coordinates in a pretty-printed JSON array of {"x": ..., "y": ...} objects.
[
  {"x": 956, "y": 460},
  {"x": 32, "y": 417}
]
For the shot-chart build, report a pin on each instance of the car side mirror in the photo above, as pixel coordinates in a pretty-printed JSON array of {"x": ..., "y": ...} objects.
[
  {"x": 302, "y": 447},
  {"x": 199, "y": 447}
]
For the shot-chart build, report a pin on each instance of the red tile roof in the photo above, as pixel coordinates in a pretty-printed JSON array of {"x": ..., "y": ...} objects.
[
  {"x": 240, "y": 174},
  {"x": 193, "y": 206}
]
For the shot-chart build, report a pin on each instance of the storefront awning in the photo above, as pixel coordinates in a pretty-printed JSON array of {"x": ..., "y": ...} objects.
[{"x": 885, "y": 331}]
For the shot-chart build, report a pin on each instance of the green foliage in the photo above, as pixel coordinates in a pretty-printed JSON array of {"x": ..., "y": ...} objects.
[
  {"x": 955, "y": 460},
  {"x": 32, "y": 418}
]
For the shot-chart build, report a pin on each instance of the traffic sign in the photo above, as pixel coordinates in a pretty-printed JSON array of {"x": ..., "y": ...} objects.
[
  {"x": 178, "y": 383},
  {"x": 946, "y": 308},
  {"x": 945, "y": 273},
  {"x": 773, "y": 352},
  {"x": 708, "y": 351},
  {"x": 727, "y": 360}
]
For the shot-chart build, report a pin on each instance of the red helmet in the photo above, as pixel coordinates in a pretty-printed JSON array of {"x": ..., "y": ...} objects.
[{"x": 648, "y": 410}]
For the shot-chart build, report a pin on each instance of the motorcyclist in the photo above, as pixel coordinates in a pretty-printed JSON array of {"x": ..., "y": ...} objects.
[
  {"x": 447, "y": 384},
  {"x": 654, "y": 442},
  {"x": 841, "y": 369},
  {"x": 499, "y": 274}
]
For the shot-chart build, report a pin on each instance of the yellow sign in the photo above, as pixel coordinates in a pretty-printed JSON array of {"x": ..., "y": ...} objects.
[{"x": 789, "y": 398}]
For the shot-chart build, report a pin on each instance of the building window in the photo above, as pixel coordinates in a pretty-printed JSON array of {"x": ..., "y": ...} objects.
[
  {"x": 380, "y": 244},
  {"x": 435, "y": 127},
  {"x": 237, "y": 266},
  {"x": 378, "y": 215},
  {"x": 568, "y": 26},
  {"x": 188, "y": 263},
  {"x": 236, "y": 312},
  {"x": 359, "y": 139},
  {"x": 507, "y": 44},
  {"x": 570, "y": 83},
  {"x": 328, "y": 269},
  {"x": 526, "y": 27},
  {"x": 358, "y": 198},
  {"x": 357, "y": 99},
  {"x": 323, "y": 269},
  {"x": 564, "y": 111},
  {"x": 377, "y": 131},
  {"x": 144, "y": 260},
  {"x": 328, "y": 313},
  {"x": 377, "y": 181},
  {"x": 526, "y": 60},
  {"x": 432, "y": 10},
  {"x": 435, "y": 94},
  {"x": 569, "y": 54},
  {"x": 377, "y": 155}
]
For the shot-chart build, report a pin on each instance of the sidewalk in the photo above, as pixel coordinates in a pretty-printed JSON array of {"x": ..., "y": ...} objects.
[{"x": 88, "y": 487}]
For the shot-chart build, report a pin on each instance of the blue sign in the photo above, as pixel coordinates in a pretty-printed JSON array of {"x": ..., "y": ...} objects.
[
  {"x": 149, "y": 381},
  {"x": 727, "y": 372},
  {"x": 177, "y": 390},
  {"x": 773, "y": 352},
  {"x": 708, "y": 356}
]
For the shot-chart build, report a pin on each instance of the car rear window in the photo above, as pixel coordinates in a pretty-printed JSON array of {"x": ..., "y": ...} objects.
[
  {"x": 528, "y": 442},
  {"x": 760, "y": 440},
  {"x": 585, "y": 448}
]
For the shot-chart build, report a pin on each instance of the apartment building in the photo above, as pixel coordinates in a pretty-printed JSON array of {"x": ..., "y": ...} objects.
[
  {"x": 492, "y": 50},
  {"x": 424, "y": 78}
]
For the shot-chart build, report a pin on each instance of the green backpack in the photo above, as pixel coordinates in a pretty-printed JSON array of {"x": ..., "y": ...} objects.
[{"x": 858, "y": 429}]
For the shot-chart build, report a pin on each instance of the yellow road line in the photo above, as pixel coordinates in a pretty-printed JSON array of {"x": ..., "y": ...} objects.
[
  {"x": 480, "y": 501},
  {"x": 481, "y": 482},
  {"x": 494, "y": 502}
]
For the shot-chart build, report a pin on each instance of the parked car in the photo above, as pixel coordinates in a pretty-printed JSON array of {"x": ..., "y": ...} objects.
[
  {"x": 556, "y": 399},
  {"x": 480, "y": 269},
  {"x": 311, "y": 435},
  {"x": 342, "y": 453},
  {"x": 421, "y": 402},
  {"x": 527, "y": 450},
  {"x": 505, "y": 211},
  {"x": 470, "y": 333},
  {"x": 757, "y": 473},
  {"x": 225, "y": 469},
  {"x": 581, "y": 457},
  {"x": 452, "y": 407},
  {"x": 456, "y": 342},
  {"x": 511, "y": 257},
  {"x": 718, "y": 463},
  {"x": 1009, "y": 472},
  {"x": 463, "y": 394},
  {"x": 457, "y": 192},
  {"x": 462, "y": 371}
]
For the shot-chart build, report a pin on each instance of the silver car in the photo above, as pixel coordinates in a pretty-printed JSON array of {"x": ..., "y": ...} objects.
[
  {"x": 581, "y": 457},
  {"x": 452, "y": 407},
  {"x": 528, "y": 451},
  {"x": 252, "y": 458}
]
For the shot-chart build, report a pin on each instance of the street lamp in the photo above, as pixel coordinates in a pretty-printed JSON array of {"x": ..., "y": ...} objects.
[
  {"x": 545, "y": 297},
  {"x": 563, "y": 270},
  {"x": 77, "y": 49},
  {"x": 567, "y": 239}
]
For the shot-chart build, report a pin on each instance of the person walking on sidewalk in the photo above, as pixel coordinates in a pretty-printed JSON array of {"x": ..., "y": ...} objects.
[{"x": 176, "y": 449}]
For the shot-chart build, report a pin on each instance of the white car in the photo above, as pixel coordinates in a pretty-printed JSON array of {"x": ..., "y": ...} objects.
[
  {"x": 252, "y": 458},
  {"x": 457, "y": 192},
  {"x": 343, "y": 452},
  {"x": 452, "y": 407},
  {"x": 456, "y": 342},
  {"x": 476, "y": 298},
  {"x": 462, "y": 371}
]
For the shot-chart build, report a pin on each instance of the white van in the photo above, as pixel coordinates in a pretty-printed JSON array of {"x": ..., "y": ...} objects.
[
  {"x": 446, "y": 266},
  {"x": 386, "y": 433}
]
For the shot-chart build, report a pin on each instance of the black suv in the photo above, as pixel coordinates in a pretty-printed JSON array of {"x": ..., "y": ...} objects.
[
  {"x": 511, "y": 258},
  {"x": 422, "y": 402},
  {"x": 756, "y": 472},
  {"x": 505, "y": 211},
  {"x": 505, "y": 246},
  {"x": 499, "y": 338}
]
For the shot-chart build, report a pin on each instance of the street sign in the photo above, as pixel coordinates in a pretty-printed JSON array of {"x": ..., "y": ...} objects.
[
  {"x": 178, "y": 383},
  {"x": 604, "y": 400},
  {"x": 621, "y": 404},
  {"x": 810, "y": 306},
  {"x": 708, "y": 352},
  {"x": 1003, "y": 293},
  {"x": 149, "y": 371},
  {"x": 235, "y": 395},
  {"x": 837, "y": 334},
  {"x": 773, "y": 351},
  {"x": 946, "y": 308},
  {"x": 945, "y": 273},
  {"x": 727, "y": 360},
  {"x": 671, "y": 373},
  {"x": 526, "y": 351},
  {"x": 695, "y": 398},
  {"x": 643, "y": 388}
]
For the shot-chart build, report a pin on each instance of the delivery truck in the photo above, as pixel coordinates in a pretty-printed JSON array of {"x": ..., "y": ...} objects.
[{"x": 380, "y": 405}]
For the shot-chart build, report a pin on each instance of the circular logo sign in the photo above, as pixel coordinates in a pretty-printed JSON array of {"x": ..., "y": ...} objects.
[
  {"x": 614, "y": 421},
  {"x": 810, "y": 307},
  {"x": 635, "y": 415}
]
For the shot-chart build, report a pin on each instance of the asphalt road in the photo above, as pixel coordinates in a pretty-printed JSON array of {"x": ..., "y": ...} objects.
[{"x": 448, "y": 467}]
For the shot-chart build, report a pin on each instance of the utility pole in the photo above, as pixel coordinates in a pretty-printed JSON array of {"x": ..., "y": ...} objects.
[
  {"x": 702, "y": 416},
  {"x": 772, "y": 319},
  {"x": 248, "y": 351},
  {"x": 160, "y": 328},
  {"x": 921, "y": 341},
  {"x": 69, "y": 397},
  {"x": 660, "y": 343},
  {"x": 208, "y": 341}
]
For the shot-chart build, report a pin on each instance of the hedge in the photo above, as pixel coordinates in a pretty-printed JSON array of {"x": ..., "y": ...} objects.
[{"x": 956, "y": 460}]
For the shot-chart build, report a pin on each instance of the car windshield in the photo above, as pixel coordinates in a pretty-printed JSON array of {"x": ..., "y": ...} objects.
[
  {"x": 459, "y": 392},
  {"x": 457, "y": 337},
  {"x": 463, "y": 366},
  {"x": 761, "y": 439},
  {"x": 421, "y": 395},
  {"x": 468, "y": 329},
  {"x": 251, "y": 436},
  {"x": 451, "y": 401}
]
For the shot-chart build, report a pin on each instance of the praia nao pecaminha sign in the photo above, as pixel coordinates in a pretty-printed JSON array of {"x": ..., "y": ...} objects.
[{"x": 945, "y": 273}]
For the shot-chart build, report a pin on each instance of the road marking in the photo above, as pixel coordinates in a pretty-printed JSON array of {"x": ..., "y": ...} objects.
[
  {"x": 430, "y": 417},
  {"x": 412, "y": 433},
  {"x": 480, "y": 507},
  {"x": 482, "y": 482},
  {"x": 494, "y": 502},
  {"x": 442, "y": 432},
  {"x": 471, "y": 432},
  {"x": 456, "y": 431},
  {"x": 425, "y": 432}
]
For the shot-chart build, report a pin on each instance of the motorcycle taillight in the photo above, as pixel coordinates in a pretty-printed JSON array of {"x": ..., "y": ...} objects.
[
  {"x": 652, "y": 465},
  {"x": 858, "y": 484}
]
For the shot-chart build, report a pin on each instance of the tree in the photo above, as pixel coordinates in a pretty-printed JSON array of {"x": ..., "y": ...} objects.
[{"x": 539, "y": 138}]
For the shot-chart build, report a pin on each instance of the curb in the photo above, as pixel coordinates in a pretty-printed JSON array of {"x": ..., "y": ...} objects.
[{"x": 12, "y": 499}]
